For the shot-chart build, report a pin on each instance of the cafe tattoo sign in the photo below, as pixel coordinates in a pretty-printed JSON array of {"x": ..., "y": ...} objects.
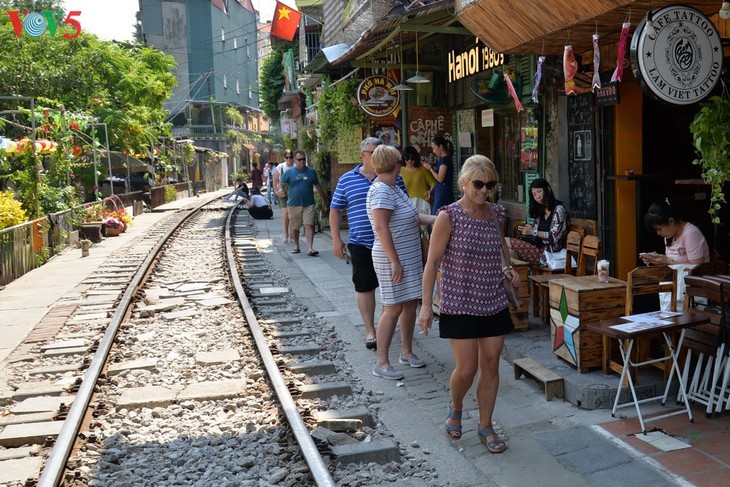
[
  {"x": 682, "y": 63},
  {"x": 472, "y": 61},
  {"x": 376, "y": 96}
]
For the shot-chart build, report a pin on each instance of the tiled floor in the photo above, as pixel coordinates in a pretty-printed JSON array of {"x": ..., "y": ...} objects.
[{"x": 706, "y": 464}]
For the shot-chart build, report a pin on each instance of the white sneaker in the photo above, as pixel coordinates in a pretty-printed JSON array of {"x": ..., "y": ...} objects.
[{"x": 414, "y": 361}]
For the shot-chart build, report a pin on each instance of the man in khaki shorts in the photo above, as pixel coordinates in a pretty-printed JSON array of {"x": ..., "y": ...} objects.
[{"x": 299, "y": 183}]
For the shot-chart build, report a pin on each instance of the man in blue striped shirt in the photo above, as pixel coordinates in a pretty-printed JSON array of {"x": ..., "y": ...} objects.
[{"x": 350, "y": 194}]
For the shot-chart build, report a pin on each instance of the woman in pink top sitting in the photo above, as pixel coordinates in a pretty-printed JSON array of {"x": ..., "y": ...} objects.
[{"x": 684, "y": 242}]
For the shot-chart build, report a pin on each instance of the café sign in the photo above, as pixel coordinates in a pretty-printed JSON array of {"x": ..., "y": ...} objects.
[
  {"x": 472, "y": 61},
  {"x": 682, "y": 62}
]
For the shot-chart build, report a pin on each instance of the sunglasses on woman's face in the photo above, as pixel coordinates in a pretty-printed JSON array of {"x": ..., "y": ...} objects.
[{"x": 490, "y": 185}]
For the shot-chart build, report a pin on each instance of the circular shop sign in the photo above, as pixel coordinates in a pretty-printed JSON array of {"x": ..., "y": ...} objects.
[
  {"x": 682, "y": 63},
  {"x": 376, "y": 96}
]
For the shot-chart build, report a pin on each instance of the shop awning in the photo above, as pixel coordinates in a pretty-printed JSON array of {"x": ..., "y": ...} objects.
[
  {"x": 325, "y": 57},
  {"x": 545, "y": 26},
  {"x": 435, "y": 18}
]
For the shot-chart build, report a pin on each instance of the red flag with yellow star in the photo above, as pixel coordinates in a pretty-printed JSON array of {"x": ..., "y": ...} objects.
[{"x": 285, "y": 23}]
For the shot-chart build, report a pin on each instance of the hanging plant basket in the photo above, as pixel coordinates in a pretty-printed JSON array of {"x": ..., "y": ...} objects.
[{"x": 711, "y": 137}]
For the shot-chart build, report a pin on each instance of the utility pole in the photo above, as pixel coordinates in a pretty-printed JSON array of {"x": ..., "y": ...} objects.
[{"x": 210, "y": 98}]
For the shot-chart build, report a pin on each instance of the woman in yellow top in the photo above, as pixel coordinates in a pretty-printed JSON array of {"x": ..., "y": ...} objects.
[{"x": 418, "y": 180}]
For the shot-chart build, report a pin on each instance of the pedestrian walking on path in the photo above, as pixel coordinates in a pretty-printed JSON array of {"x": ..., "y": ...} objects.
[
  {"x": 397, "y": 259},
  {"x": 468, "y": 249},
  {"x": 279, "y": 172},
  {"x": 350, "y": 194},
  {"x": 299, "y": 184}
]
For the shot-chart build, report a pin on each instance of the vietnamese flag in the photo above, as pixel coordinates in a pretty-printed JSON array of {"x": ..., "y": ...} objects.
[{"x": 286, "y": 22}]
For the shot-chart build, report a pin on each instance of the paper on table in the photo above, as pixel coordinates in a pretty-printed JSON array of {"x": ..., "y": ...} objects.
[
  {"x": 652, "y": 316},
  {"x": 641, "y": 325}
]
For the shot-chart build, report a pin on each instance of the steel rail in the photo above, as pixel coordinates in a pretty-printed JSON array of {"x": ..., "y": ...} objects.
[
  {"x": 312, "y": 456},
  {"x": 56, "y": 463}
]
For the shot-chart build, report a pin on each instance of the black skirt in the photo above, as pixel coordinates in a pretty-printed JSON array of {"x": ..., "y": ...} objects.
[{"x": 469, "y": 326}]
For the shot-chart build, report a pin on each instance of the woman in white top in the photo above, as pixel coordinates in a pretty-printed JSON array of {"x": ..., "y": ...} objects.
[
  {"x": 278, "y": 174},
  {"x": 396, "y": 258}
]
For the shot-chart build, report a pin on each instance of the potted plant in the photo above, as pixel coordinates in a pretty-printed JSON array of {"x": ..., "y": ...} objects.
[
  {"x": 711, "y": 137},
  {"x": 114, "y": 226}
]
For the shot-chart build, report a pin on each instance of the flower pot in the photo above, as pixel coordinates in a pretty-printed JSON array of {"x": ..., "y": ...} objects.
[{"x": 114, "y": 232}]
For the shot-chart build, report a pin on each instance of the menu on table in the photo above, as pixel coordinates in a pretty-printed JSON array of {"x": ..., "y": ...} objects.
[{"x": 645, "y": 321}]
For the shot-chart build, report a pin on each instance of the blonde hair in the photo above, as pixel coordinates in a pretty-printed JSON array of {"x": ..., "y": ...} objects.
[
  {"x": 385, "y": 158},
  {"x": 475, "y": 165}
]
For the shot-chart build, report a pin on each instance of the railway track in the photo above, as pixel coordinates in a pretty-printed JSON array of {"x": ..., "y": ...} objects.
[{"x": 206, "y": 371}]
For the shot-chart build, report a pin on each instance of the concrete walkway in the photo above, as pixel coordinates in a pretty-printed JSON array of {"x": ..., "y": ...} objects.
[{"x": 550, "y": 443}]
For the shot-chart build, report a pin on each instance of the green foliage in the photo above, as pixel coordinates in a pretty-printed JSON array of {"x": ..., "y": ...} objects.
[
  {"x": 11, "y": 211},
  {"x": 309, "y": 140},
  {"x": 271, "y": 84},
  {"x": 321, "y": 164},
  {"x": 711, "y": 137},
  {"x": 170, "y": 193},
  {"x": 188, "y": 154},
  {"x": 339, "y": 113},
  {"x": 289, "y": 143},
  {"x": 54, "y": 199},
  {"x": 121, "y": 84},
  {"x": 92, "y": 212}
]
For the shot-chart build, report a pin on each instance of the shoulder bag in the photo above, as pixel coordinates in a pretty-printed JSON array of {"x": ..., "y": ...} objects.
[{"x": 509, "y": 289}]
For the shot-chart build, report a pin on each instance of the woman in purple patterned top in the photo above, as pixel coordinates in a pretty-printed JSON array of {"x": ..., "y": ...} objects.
[{"x": 469, "y": 251}]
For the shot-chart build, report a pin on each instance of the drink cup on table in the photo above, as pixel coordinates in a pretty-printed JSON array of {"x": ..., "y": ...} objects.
[{"x": 602, "y": 270}]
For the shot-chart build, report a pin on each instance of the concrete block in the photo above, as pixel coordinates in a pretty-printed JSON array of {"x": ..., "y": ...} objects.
[
  {"x": 88, "y": 317},
  {"x": 61, "y": 352},
  {"x": 217, "y": 357},
  {"x": 140, "y": 364},
  {"x": 313, "y": 367},
  {"x": 167, "y": 305},
  {"x": 183, "y": 314},
  {"x": 360, "y": 413},
  {"x": 211, "y": 302},
  {"x": 379, "y": 451},
  {"x": 27, "y": 418},
  {"x": 341, "y": 424},
  {"x": 300, "y": 349},
  {"x": 41, "y": 404},
  {"x": 149, "y": 396},
  {"x": 79, "y": 342},
  {"x": 29, "y": 434},
  {"x": 40, "y": 389},
  {"x": 55, "y": 369},
  {"x": 290, "y": 334},
  {"x": 205, "y": 391},
  {"x": 15, "y": 453},
  {"x": 20, "y": 470},
  {"x": 311, "y": 391}
]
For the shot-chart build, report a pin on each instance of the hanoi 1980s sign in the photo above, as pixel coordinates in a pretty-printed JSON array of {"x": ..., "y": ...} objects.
[{"x": 682, "y": 63}]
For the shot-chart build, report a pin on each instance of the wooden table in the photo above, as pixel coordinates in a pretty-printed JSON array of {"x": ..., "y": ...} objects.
[
  {"x": 634, "y": 330},
  {"x": 574, "y": 303}
]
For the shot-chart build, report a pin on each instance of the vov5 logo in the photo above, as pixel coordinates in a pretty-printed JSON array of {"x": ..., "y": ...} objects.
[{"x": 36, "y": 23}]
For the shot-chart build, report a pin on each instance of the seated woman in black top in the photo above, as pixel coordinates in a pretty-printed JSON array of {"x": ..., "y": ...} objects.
[{"x": 549, "y": 229}]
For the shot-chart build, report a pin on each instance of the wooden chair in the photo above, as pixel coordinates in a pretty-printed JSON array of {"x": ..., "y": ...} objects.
[
  {"x": 706, "y": 345},
  {"x": 590, "y": 249},
  {"x": 714, "y": 268},
  {"x": 540, "y": 283},
  {"x": 643, "y": 281}
]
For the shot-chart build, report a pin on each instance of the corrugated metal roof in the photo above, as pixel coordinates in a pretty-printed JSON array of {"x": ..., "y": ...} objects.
[{"x": 392, "y": 23}]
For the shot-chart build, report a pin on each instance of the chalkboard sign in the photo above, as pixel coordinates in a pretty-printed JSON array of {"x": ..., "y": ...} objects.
[{"x": 581, "y": 157}]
